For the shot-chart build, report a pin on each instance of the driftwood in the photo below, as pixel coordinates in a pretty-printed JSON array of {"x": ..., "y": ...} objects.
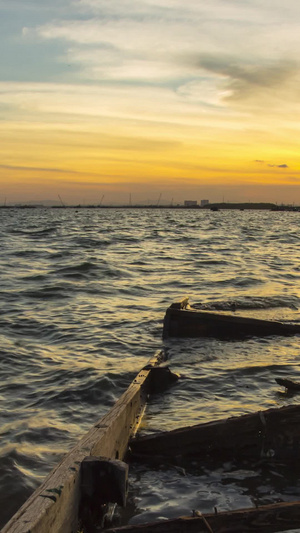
[
  {"x": 53, "y": 507},
  {"x": 182, "y": 321},
  {"x": 93, "y": 473},
  {"x": 290, "y": 386},
  {"x": 265, "y": 519},
  {"x": 272, "y": 434}
]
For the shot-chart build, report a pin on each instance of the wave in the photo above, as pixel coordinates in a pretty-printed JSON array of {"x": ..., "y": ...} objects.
[
  {"x": 77, "y": 271},
  {"x": 34, "y": 232},
  {"x": 48, "y": 293},
  {"x": 81, "y": 311},
  {"x": 252, "y": 302}
]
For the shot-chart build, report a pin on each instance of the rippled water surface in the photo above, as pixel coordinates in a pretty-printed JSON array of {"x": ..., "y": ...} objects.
[{"x": 83, "y": 295}]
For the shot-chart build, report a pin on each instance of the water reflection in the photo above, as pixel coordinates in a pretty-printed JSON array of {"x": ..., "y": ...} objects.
[{"x": 82, "y": 301}]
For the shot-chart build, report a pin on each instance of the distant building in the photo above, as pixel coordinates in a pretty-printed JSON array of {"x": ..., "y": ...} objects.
[
  {"x": 204, "y": 202},
  {"x": 190, "y": 203}
]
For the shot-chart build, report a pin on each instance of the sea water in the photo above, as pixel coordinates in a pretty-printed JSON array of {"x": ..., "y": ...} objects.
[{"x": 83, "y": 295}]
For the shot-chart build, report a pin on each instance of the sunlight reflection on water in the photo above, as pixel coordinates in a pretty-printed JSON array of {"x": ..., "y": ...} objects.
[{"x": 83, "y": 296}]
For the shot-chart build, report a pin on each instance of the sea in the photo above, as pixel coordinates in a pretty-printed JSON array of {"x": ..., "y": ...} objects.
[{"x": 83, "y": 294}]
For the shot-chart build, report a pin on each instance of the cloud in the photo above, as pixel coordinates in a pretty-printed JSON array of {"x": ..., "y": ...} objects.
[
  {"x": 241, "y": 78},
  {"x": 190, "y": 48},
  {"x": 68, "y": 104},
  {"x": 278, "y": 166},
  {"x": 272, "y": 165},
  {"x": 37, "y": 169},
  {"x": 164, "y": 34}
]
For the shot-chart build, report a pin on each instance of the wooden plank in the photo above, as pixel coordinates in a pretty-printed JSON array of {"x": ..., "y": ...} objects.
[
  {"x": 274, "y": 433},
  {"x": 266, "y": 519},
  {"x": 189, "y": 322},
  {"x": 291, "y": 386},
  {"x": 53, "y": 507}
]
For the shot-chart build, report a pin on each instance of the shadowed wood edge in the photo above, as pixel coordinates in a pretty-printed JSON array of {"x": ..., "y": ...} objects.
[
  {"x": 182, "y": 320},
  {"x": 267, "y": 519},
  {"x": 53, "y": 507}
]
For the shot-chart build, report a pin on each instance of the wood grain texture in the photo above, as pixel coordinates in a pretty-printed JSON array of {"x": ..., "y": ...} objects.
[
  {"x": 53, "y": 507},
  {"x": 189, "y": 322},
  {"x": 266, "y": 519},
  {"x": 270, "y": 434}
]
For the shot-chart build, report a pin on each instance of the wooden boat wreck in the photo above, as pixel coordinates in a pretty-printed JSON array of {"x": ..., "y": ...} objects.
[
  {"x": 56, "y": 505},
  {"x": 81, "y": 492},
  {"x": 181, "y": 320}
]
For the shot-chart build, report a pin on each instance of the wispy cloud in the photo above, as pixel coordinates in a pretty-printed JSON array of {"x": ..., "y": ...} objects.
[
  {"x": 271, "y": 165},
  {"x": 212, "y": 53},
  {"x": 152, "y": 86},
  {"x": 37, "y": 169},
  {"x": 243, "y": 77},
  {"x": 143, "y": 104},
  {"x": 279, "y": 166}
]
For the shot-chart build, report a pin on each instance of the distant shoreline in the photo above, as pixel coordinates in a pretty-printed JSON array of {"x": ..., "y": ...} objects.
[{"x": 212, "y": 207}]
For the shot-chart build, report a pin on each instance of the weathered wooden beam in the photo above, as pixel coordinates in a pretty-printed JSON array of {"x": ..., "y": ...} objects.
[
  {"x": 274, "y": 433},
  {"x": 188, "y": 322},
  {"x": 53, "y": 507},
  {"x": 266, "y": 519},
  {"x": 290, "y": 385}
]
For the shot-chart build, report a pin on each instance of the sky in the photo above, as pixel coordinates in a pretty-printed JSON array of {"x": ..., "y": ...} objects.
[{"x": 149, "y": 100}]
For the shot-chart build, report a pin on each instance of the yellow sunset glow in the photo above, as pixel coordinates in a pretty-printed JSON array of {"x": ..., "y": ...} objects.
[{"x": 207, "y": 99}]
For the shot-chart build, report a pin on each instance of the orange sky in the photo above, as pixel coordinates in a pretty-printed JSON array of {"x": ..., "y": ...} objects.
[{"x": 150, "y": 98}]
